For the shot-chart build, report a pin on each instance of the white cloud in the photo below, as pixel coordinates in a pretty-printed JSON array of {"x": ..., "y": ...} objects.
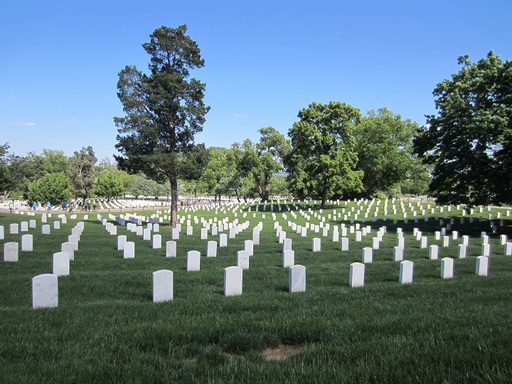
[
  {"x": 239, "y": 115},
  {"x": 72, "y": 120},
  {"x": 24, "y": 123}
]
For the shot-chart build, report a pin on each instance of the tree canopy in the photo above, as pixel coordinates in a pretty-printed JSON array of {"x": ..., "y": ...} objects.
[
  {"x": 469, "y": 142},
  {"x": 383, "y": 142},
  {"x": 322, "y": 161},
  {"x": 163, "y": 109}
]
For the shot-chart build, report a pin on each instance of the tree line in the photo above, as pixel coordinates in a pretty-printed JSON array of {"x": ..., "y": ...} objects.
[{"x": 462, "y": 155}]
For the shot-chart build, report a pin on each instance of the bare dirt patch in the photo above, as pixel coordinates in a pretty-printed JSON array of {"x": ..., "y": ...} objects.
[{"x": 282, "y": 352}]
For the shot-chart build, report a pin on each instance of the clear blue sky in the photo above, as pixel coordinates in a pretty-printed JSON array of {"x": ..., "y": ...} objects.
[{"x": 264, "y": 61}]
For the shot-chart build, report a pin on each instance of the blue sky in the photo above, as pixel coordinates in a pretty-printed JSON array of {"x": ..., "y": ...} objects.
[{"x": 264, "y": 61}]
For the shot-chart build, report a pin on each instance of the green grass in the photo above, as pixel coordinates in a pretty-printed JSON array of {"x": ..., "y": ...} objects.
[{"x": 106, "y": 328}]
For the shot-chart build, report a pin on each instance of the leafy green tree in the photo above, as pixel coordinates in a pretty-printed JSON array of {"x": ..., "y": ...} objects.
[
  {"x": 54, "y": 161},
  {"x": 142, "y": 186},
  {"x": 53, "y": 188},
  {"x": 270, "y": 151},
  {"x": 163, "y": 110},
  {"x": 322, "y": 161},
  {"x": 5, "y": 184},
  {"x": 469, "y": 142},
  {"x": 217, "y": 173},
  {"x": 82, "y": 172},
  {"x": 383, "y": 142},
  {"x": 108, "y": 185}
]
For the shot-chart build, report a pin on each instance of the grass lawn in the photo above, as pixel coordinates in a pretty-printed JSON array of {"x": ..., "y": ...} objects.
[{"x": 106, "y": 329}]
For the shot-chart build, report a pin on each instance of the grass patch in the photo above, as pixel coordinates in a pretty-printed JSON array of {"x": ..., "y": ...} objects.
[{"x": 106, "y": 328}]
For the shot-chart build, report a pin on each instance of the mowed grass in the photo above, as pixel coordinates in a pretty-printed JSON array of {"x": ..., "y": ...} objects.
[{"x": 107, "y": 329}]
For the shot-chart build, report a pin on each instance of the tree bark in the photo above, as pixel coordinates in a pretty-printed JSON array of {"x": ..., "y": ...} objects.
[{"x": 173, "y": 180}]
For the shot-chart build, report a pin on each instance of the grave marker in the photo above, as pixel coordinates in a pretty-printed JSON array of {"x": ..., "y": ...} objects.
[
  {"x": 406, "y": 272},
  {"x": 233, "y": 279},
  {"x": 61, "y": 264},
  {"x": 163, "y": 286},
  {"x": 356, "y": 275},
  {"x": 45, "y": 292},
  {"x": 297, "y": 279},
  {"x": 193, "y": 261}
]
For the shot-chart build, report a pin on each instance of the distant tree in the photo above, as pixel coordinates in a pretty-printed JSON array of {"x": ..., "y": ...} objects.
[
  {"x": 163, "y": 110},
  {"x": 54, "y": 161},
  {"x": 322, "y": 161},
  {"x": 53, "y": 188},
  {"x": 142, "y": 186},
  {"x": 82, "y": 172},
  {"x": 216, "y": 173},
  {"x": 469, "y": 142},
  {"x": 270, "y": 151},
  {"x": 5, "y": 183},
  {"x": 383, "y": 142},
  {"x": 108, "y": 185}
]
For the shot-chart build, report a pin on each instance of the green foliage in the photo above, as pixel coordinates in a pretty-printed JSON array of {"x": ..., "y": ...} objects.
[
  {"x": 163, "y": 110},
  {"x": 108, "y": 184},
  {"x": 142, "y": 186},
  {"x": 53, "y": 188},
  {"x": 82, "y": 172},
  {"x": 384, "y": 150},
  {"x": 270, "y": 151},
  {"x": 469, "y": 142},
  {"x": 322, "y": 161},
  {"x": 54, "y": 161}
]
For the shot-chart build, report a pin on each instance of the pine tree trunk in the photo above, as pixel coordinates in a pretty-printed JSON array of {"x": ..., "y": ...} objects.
[{"x": 174, "y": 200}]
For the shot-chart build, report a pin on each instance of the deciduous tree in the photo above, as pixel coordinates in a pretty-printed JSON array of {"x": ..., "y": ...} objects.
[
  {"x": 469, "y": 141},
  {"x": 82, "y": 172},
  {"x": 322, "y": 161}
]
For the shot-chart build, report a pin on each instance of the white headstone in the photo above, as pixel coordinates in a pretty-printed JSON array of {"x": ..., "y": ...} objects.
[
  {"x": 61, "y": 264},
  {"x": 344, "y": 244},
  {"x": 233, "y": 279},
  {"x": 287, "y": 244},
  {"x": 242, "y": 259},
  {"x": 249, "y": 247},
  {"x": 69, "y": 248},
  {"x": 45, "y": 292},
  {"x": 129, "y": 250},
  {"x": 317, "y": 244},
  {"x": 211, "y": 249},
  {"x": 45, "y": 229},
  {"x": 482, "y": 266},
  {"x": 508, "y": 248},
  {"x": 297, "y": 278},
  {"x": 157, "y": 241},
  {"x": 433, "y": 252},
  {"x": 447, "y": 268},
  {"x": 163, "y": 286},
  {"x": 24, "y": 226},
  {"x": 193, "y": 261},
  {"x": 367, "y": 255},
  {"x": 2, "y": 232},
  {"x": 486, "y": 249},
  {"x": 288, "y": 258},
  {"x": 423, "y": 242},
  {"x": 406, "y": 272},
  {"x": 27, "y": 243},
  {"x": 170, "y": 248},
  {"x": 204, "y": 233},
  {"x": 398, "y": 253},
  {"x": 121, "y": 240},
  {"x": 223, "y": 240},
  {"x": 14, "y": 228},
  {"x": 175, "y": 233},
  {"x": 356, "y": 275},
  {"x": 462, "y": 250},
  {"x": 11, "y": 250}
]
